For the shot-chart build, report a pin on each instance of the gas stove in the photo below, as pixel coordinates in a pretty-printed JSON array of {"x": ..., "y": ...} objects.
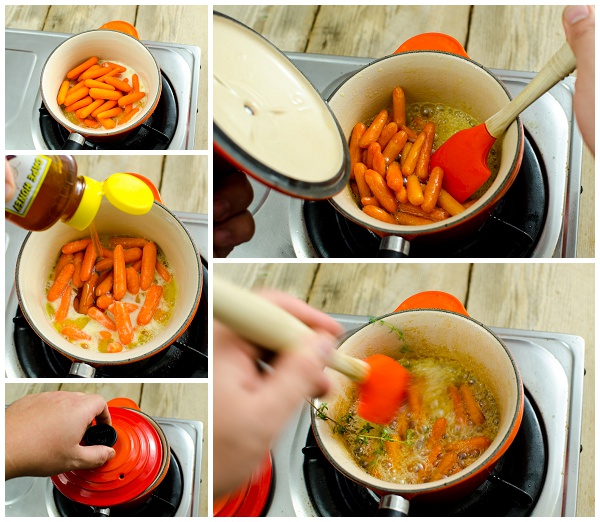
[
  {"x": 37, "y": 496},
  {"x": 29, "y": 125},
  {"x": 188, "y": 357},
  {"x": 540, "y": 222},
  {"x": 544, "y": 466}
]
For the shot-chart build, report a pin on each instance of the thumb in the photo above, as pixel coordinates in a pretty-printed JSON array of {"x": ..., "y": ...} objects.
[
  {"x": 90, "y": 457},
  {"x": 579, "y": 23}
]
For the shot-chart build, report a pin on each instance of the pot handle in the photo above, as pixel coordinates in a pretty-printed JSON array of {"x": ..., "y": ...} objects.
[
  {"x": 75, "y": 141},
  {"x": 392, "y": 506},
  {"x": 80, "y": 370},
  {"x": 433, "y": 299},
  {"x": 433, "y": 42},
  {"x": 393, "y": 246}
]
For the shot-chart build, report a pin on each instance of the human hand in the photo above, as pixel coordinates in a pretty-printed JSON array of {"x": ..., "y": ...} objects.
[
  {"x": 44, "y": 431},
  {"x": 250, "y": 406},
  {"x": 233, "y": 224},
  {"x": 9, "y": 181},
  {"x": 579, "y": 23}
]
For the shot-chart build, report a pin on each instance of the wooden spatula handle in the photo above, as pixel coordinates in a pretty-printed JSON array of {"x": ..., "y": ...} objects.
[
  {"x": 560, "y": 65},
  {"x": 265, "y": 324}
]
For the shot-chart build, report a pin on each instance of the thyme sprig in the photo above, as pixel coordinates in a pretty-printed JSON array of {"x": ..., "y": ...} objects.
[{"x": 393, "y": 329}]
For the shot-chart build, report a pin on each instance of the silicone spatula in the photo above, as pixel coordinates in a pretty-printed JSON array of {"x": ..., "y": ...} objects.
[
  {"x": 463, "y": 157},
  {"x": 382, "y": 381}
]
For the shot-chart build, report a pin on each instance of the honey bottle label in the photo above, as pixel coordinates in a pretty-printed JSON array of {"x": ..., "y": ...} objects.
[{"x": 29, "y": 173}]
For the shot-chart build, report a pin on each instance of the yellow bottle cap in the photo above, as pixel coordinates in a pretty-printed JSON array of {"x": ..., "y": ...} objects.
[
  {"x": 128, "y": 193},
  {"x": 89, "y": 205}
]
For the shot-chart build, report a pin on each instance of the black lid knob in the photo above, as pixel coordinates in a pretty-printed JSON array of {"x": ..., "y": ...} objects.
[{"x": 100, "y": 435}]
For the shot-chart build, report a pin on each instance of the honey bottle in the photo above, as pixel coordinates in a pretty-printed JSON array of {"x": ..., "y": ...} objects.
[{"x": 48, "y": 189}]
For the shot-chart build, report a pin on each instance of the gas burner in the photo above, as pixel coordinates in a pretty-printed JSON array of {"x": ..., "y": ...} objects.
[
  {"x": 512, "y": 230},
  {"x": 186, "y": 357},
  {"x": 155, "y": 133},
  {"x": 512, "y": 489},
  {"x": 163, "y": 502}
]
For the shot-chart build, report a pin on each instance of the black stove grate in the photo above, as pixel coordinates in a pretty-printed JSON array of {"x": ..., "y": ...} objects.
[
  {"x": 512, "y": 490},
  {"x": 163, "y": 502},
  {"x": 511, "y": 231},
  {"x": 186, "y": 357},
  {"x": 155, "y": 133}
]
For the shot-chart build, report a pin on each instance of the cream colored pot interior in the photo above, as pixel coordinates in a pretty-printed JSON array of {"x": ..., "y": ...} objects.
[
  {"x": 428, "y": 333},
  {"x": 425, "y": 77},
  {"x": 41, "y": 250},
  {"x": 106, "y": 45}
]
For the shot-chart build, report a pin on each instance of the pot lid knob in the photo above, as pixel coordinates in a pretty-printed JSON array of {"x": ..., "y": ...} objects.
[{"x": 100, "y": 435}]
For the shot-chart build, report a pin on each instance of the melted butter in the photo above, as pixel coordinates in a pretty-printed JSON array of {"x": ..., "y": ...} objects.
[{"x": 269, "y": 109}]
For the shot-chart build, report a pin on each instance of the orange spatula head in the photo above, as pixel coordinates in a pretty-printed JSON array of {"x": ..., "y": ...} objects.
[
  {"x": 381, "y": 395},
  {"x": 463, "y": 158}
]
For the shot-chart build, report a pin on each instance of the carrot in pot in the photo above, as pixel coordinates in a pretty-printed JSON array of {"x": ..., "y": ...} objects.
[
  {"x": 105, "y": 335},
  {"x": 380, "y": 214},
  {"x": 105, "y": 94},
  {"x": 437, "y": 214},
  {"x": 379, "y": 164},
  {"x": 61, "y": 282},
  {"x": 359, "y": 176},
  {"x": 163, "y": 272},
  {"x": 111, "y": 72},
  {"x": 129, "y": 115},
  {"x": 79, "y": 105},
  {"x": 86, "y": 298},
  {"x": 394, "y": 147},
  {"x": 76, "y": 96},
  {"x": 449, "y": 204},
  {"x": 404, "y": 153},
  {"x": 130, "y": 98},
  {"x": 128, "y": 242},
  {"x": 422, "y": 168},
  {"x": 413, "y": 155},
  {"x": 135, "y": 82},
  {"x": 386, "y": 134},
  {"x": 401, "y": 195},
  {"x": 98, "y": 316},
  {"x": 414, "y": 190},
  {"x": 460, "y": 415},
  {"x": 398, "y": 106},
  {"x": 473, "y": 410},
  {"x": 119, "y": 68},
  {"x": 372, "y": 149},
  {"x": 105, "y": 285},
  {"x": 432, "y": 190},
  {"x": 119, "y": 84},
  {"x": 92, "y": 74},
  {"x": 479, "y": 443},
  {"x": 98, "y": 84},
  {"x": 77, "y": 260},
  {"x": 394, "y": 178},
  {"x": 148, "y": 265},
  {"x": 153, "y": 296},
  {"x": 108, "y": 124},
  {"x": 120, "y": 280},
  {"x": 104, "y": 301},
  {"x": 445, "y": 466},
  {"x": 104, "y": 107},
  {"x": 430, "y": 463},
  {"x": 114, "y": 347},
  {"x": 414, "y": 397},
  {"x": 393, "y": 451},
  {"x": 381, "y": 191},
  {"x": 74, "y": 333},
  {"x": 110, "y": 113},
  {"x": 92, "y": 124},
  {"x": 63, "y": 260},
  {"x": 410, "y": 220},
  {"x": 84, "y": 112},
  {"x": 137, "y": 265},
  {"x": 88, "y": 262},
  {"x": 123, "y": 323},
  {"x": 133, "y": 280},
  {"x": 437, "y": 432},
  {"x": 412, "y": 135},
  {"x": 75, "y": 87},
  {"x": 63, "y": 308},
  {"x": 374, "y": 130},
  {"x": 62, "y": 92},
  {"x": 370, "y": 200},
  {"x": 104, "y": 264},
  {"x": 76, "y": 71}
]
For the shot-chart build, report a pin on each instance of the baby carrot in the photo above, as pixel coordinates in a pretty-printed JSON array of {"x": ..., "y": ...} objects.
[
  {"x": 413, "y": 155},
  {"x": 444, "y": 468},
  {"x": 135, "y": 82},
  {"x": 369, "y": 200},
  {"x": 359, "y": 175},
  {"x": 105, "y": 335},
  {"x": 120, "y": 281},
  {"x": 87, "y": 294},
  {"x": 61, "y": 282},
  {"x": 394, "y": 178},
  {"x": 432, "y": 190},
  {"x": 437, "y": 214},
  {"x": 74, "y": 333},
  {"x": 104, "y": 107},
  {"x": 75, "y": 87},
  {"x": 153, "y": 296},
  {"x": 123, "y": 322},
  {"x": 414, "y": 190},
  {"x": 473, "y": 410},
  {"x": 449, "y": 204},
  {"x": 460, "y": 416},
  {"x": 105, "y": 94},
  {"x": 119, "y": 84},
  {"x": 104, "y": 301},
  {"x": 408, "y": 219},
  {"x": 372, "y": 149},
  {"x": 394, "y": 146},
  {"x": 84, "y": 102},
  {"x": 437, "y": 432},
  {"x": 62, "y": 92},
  {"x": 129, "y": 115},
  {"x": 92, "y": 124},
  {"x": 398, "y": 106},
  {"x": 77, "y": 260},
  {"x": 108, "y": 123},
  {"x": 412, "y": 135},
  {"x": 63, "y": 260},
  {"x": 87, "y": 264},
  {"x": 386, "y": 134},
  {"x": 148, "y": 265},
  {"x": 414, "y": 398},
  {"x": 75, "y": 246},
  {"x": 75, "y": 72},
  {"x": 479, "y": 443},
  {"x": 130, "y": 255},
  {"x": 137, "y": 266},
  {"x": 404, "y": 153},
  {"x": 97, "y": 84},
  {"x": 381, "y": 191},
  {"x": 401, "y": 195},
  {"x": 92, "y": 74},
  {"x": 119, "y": 68},
  {"x": 374, "y": 130},
  {"x": 106, "y": 285},
  {"x": 104, "y": 264},
  {"x": 76, "y": 96},
  {"x": 110, "y": 113},
  {"x": 63, "y": 308},
  {"x": 100, "y": 317},
  {"x": 422, "y": 168},
  {"x": 131, "y": 98},
  {"x": 111, "y": 72},
  {"x": 162, "y": 271},
  {"x": 133, "y": 280},
  {"x": 379, "y": 164},
  {"x": 114, "y": 347},
  {"x": 84, "y": 112},
  {"x": 129, "y": 307},
  {"x": 128, "y": 242},
  {"x": 380, "y": 214}
]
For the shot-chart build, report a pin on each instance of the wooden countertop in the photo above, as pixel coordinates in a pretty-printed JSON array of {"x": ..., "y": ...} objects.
[
  {"x": 182, "y": 24},
  {"x": 552, "y": 297},
  {"x": 503, "y": 37},
  {"x": 180, "y": 401}
]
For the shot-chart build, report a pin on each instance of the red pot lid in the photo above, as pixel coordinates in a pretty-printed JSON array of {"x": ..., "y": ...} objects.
[{"x": 137, "y": 463}]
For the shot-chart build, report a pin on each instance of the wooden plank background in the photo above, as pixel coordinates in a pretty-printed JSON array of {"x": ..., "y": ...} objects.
[
  {"x": 552, "y": 297},
  {"x": 520, "y": 37},
  {"x": 182, "y": 24},
  {"x": 179, "y": 401}
]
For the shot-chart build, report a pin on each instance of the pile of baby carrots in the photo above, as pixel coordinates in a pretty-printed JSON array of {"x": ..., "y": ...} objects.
[
  {"x": 390, "y": 169},
  {"x": 95, "y": 286},
  {"x": 97, "y": 95}
]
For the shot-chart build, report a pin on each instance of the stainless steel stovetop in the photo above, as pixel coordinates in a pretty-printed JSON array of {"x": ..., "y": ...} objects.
[
  {"x": 25, "y": 55},
  {"x": 33, "y": 496},
  {"x": 196, "y": 224},
  {"x": 280, "y": 227},
  {"x": 551, "y": 366}
]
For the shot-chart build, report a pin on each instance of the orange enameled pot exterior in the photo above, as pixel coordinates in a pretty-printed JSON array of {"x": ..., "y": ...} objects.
[{"x": 428, "y": 332}]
